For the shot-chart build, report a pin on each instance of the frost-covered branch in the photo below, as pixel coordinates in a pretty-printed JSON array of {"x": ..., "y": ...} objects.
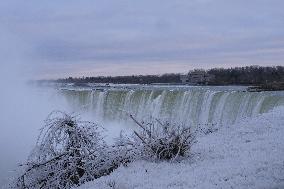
[
  {"x": 165, "y": 141},
  {"x": 66, "y": 154}
]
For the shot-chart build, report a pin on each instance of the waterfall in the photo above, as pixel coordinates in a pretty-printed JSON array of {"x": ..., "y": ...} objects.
[{"x": 191, "y": 106}]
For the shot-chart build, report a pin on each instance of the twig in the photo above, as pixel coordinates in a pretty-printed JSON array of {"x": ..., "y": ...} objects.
[
  {"x": 140, "y": 125},
  {"x": 159, "y": 122},
  {"x": 140, "y": 137},
  {"x": 41, "y": 164}
]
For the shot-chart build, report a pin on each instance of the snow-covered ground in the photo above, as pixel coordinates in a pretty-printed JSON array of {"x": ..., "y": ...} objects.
[{"x": 248, "y": 154}]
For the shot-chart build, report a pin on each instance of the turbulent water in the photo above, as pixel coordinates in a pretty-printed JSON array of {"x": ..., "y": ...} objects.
[{"x": 188, "y": 105}]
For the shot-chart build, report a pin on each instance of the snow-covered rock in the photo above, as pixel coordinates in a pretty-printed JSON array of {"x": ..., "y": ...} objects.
[{"x": 248, "y": 154}]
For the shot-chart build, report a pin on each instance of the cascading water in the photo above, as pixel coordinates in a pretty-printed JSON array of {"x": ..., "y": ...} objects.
[{"x": 189, "y": 106}]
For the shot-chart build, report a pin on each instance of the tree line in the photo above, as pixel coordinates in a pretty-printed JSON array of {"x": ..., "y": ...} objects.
[
  {"x": 249, "y": 75},
  {"x": 133, "y": 79}
]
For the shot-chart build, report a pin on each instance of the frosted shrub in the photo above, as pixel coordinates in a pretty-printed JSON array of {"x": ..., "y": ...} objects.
[
  {"x": 159, "y": 140},
  {"x": 69, "y": 152}
]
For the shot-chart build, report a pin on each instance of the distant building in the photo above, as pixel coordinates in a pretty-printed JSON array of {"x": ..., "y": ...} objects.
[
  {"x": 184, "y": 78},
  {"x": 196, "y": 77}
]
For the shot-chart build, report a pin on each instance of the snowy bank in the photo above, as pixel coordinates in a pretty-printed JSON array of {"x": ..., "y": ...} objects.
[{"x": 248, "y": 154}]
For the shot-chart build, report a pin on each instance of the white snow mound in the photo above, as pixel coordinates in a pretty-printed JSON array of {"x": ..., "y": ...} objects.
[{"x": 248, "y": 154}]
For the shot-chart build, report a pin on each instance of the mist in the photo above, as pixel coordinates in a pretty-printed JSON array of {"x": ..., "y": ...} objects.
[{"x": 22, "y": 107}]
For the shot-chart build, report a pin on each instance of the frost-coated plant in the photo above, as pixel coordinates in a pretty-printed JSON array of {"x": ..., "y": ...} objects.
[
  {"x": 68, "y": 152},
  {"x": 160, "y": 140}
]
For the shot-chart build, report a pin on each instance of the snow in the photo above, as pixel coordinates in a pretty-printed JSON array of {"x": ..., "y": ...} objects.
[{"x": 248, "y": 154}]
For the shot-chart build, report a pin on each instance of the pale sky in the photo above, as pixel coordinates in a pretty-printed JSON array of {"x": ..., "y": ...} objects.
[{"x": 122, "y": 37}]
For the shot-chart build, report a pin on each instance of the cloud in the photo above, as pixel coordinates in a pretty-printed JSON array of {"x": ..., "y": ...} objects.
[{"x": 65, "y": 35}]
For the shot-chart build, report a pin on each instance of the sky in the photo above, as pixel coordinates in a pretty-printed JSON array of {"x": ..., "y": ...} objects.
[{"x": 53, "y": 39}]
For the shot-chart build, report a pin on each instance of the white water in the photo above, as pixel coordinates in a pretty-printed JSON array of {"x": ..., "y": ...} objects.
[{"x": 191, "y": 106}]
